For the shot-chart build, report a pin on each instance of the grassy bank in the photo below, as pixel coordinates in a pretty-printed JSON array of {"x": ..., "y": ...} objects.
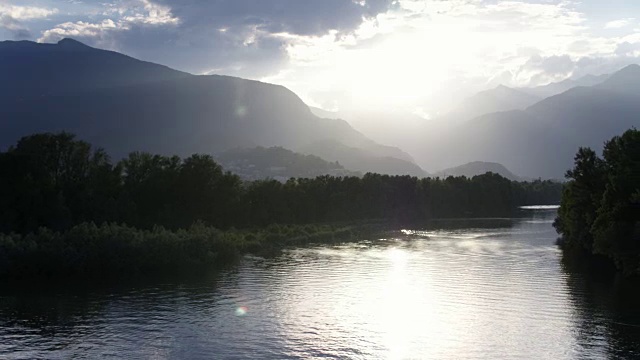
[{"x": 112, "y": 251}]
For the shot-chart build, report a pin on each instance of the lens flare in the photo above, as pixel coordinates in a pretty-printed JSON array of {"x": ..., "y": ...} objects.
[
  {"x": 241, "y": 311},
  {"x": 241, "y": 111}
]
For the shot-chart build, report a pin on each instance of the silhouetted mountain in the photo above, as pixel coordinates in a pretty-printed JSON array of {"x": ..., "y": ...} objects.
[
  {"x": 562, "y": 86},
  {"x": 542, "y": 140},
  {"x": 478, "y": 168},
  {"x": 29, "y": 69},
  {"x": 278, "y": 163},
  {"x": 123, "y": 104},
  {"x": 362, "y": 161}
]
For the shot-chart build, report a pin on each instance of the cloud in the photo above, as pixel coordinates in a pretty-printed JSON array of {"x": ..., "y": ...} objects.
[
  {"x": 17, "y": 30},
  {"x": 300, "y": 17},
  {"x": 237, "y": 37},
  {"x": 26, "y": 12},
  {"x": 628, "y": 49},
  {"x": 431, "y": 51},
  {"x": 140, "y": 13},
  {"x": 543, "y": 70},
  {"x": 12, "y": 18},
  {"x": 618, "y": 24},
  {"x": 154, "y": 15},
  {"x": 82, "y": 29}
]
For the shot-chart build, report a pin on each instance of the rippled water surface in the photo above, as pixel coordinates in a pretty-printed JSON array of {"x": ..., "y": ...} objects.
[{"x": 490, "y": 289}]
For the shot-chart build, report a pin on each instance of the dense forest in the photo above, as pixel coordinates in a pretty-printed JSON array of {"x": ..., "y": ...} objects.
[
  {"x": 600, "y": 209},
  {"x": 55, "y": 181},
  {"x": 168, "y": 210}
]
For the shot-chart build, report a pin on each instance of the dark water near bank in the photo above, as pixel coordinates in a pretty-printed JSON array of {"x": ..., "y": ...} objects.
[{"x": 491, "y": 289}]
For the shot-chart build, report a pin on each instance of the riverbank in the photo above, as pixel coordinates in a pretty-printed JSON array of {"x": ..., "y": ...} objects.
[{"x": 112, "y": 251}]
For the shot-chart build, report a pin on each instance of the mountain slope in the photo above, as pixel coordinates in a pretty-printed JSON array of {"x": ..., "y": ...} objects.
[
  {"x": 390, "y": 126},
  {"x": 358, "y": 160},
  {"x": 123, "y": 104},
  {"x": 556, "y": 88},
  {"x": 501, "y": 98},
  {"x": 279, "y": 163},
  {"x": 623, "y": 81},
  {"x": 29, "y": 69}
]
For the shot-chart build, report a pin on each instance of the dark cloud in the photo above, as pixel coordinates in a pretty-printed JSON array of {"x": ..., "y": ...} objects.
[
  {"x": 204, "y": 50},
  {"x": 301, "y": 17}
]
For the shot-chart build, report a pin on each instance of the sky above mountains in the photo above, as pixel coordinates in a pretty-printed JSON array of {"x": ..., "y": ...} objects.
[{"x": 419, "y": 55}]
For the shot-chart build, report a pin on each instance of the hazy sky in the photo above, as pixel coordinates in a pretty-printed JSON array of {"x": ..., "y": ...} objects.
[{"x": 341, "y": 54}]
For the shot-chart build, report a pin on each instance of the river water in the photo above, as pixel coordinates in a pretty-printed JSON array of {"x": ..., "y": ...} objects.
[{"x": 474, "y": 289}]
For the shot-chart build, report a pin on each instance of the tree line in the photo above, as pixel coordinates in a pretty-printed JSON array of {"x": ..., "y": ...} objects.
[
  {"x": 599, "y": 214},
  {"x": 56, "y": 181}
]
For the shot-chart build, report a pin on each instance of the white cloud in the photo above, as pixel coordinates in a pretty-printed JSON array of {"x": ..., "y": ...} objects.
[
  {"x": 25, "y": 12},
  {"x": 81, "y": 29},
  {"x": 12, "y": 18},
  {"x": 142, "y": 13},
  {"x": 154, "y": 15},
  {"x": 419, "y": 52},
  {"x": 618, "y": 24},
  {"x": 427, "y": 52}
]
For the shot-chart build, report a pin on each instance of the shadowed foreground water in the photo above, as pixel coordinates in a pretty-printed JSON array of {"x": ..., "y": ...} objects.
[{"x": 491, "y": 289}]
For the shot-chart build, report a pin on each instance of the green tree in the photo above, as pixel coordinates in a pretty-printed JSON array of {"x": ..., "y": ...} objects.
[
  {"x": 55, "y": 181},
  {"x": 617, "y": 219},
  {"x": 580, "y": 200}
]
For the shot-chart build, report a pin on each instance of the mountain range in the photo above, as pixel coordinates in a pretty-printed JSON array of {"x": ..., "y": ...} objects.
[
  {"x": 500, "y": 98},
  {"x": 535, "y": 132},
  {"x": 541, "y": 140},
  {"x": 556, "y": 88},
  {"x": 124, "y": 105}
]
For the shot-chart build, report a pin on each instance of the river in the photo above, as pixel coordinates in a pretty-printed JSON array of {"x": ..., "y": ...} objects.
[{"x": 472, "y": 289}]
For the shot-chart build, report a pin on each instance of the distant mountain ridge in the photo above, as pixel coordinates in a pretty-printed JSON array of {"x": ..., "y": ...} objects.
[
  {"x": 556, "y": 88},
  {"x": 358, "y": 160},
  {"x": 623, "y": 81},
  {"x": 533, "y": 138},
  {"x": 124, "y": 104},
  {"x": 498, "y": 99},
  {"x": 542, "y": 140},
  {"x": 413, "y": 131}
]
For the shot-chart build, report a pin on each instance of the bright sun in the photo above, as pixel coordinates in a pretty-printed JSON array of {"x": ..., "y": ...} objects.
[{"x": 395, "y": 72}]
